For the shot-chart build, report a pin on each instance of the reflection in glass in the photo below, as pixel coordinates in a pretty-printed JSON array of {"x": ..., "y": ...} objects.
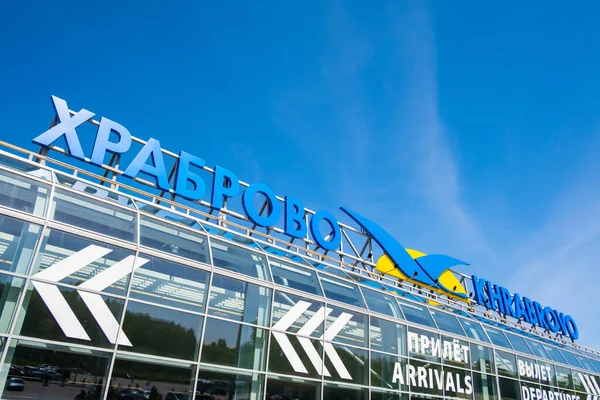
[
  {"x": 284, "y": 302},
  {"x": 377, "y": 395},
  {"x": 447, "y": 322},
  {"x": 356, "y": 362},
  {"x": 335, "y": 392},
  {"x": 222, "y": 384},
  {"x": 354, "y": 332},
  {"x": 239, "y": 301},
  {"x": 387, "y": 336},
  {"x": 239, "y": 259},
  {"x": 341, "y": 290},
  {"x": 460, "y": 389},
  {"x": 36, "y": 320},
  {"x": 506, "y": 364},
  {"x": 295, "y": 277},
  {"x": 420, "y": 344},
  {"x": 482, "y": 358},
  {"x": 474, "y": 330},
  {"x": 518, "y": 343},
  {"x": 230, "y": 344},
  {"x": 425, "y": 369},
  {"x": 555, "y": 354},
  {"x": 564, "y": 377},
  {"x": 279, "y": 388},
  {"x": 578, "y": 383},
  {"x": 93, "y": 215},
  {"x": 461, "y": 358},
  {"x": 173, "y": 239},
  {"x": 278, "y": 361},
  {"x": 161, "y": 331},
  {"x": 23, "y": 194},
  {"x": 509, "y": 389},
  {"x": 571, "y": 360},
  {"x": 18, "y": 240},
  {"x": 60, "y": 245},
  {"x": 416, "y": 313},
  {"x": 497, "y": 337},
  {"x": 170, "y": 284},
  {"x": 153, "y": 379},
  {"x": 484, "y": 387},
  {"x": 585, "y": 363},
  {"x": 538, "y": 349},
  {"x": 46, "y": 371},
  {"x": 382, "y": 371},
  {"x": 10, "y": 291},
  {"x": 382, "y": 303}
]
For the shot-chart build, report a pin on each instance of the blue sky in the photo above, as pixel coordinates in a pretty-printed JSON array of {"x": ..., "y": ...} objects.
[{"x": 464, "y": 128}]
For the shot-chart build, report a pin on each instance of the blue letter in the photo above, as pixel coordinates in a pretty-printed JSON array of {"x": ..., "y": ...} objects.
[
  {"x": 334, "y": 241},
  {"x": 294, "y": 222},
  {"x": 225, "y": 184},
  {"x": 506, "y": 300},
  {"x": 65, "y": 127},
  {"x": 493, "y": 292},
  {"x": 519, "y": 308},
  {"x": 272, "y": 205},
  {"x": 540, "y": 314},
  {"x": 551, "y": 320},
  {"x": 571, "y": 327},
  {"x": 532, "y": 316},
  {"x": 479, "y": 291},
  {"x": 102, "y": 144},
  {"x": 184, "y": 175},
  {"x": 560, "y": 317},
  {"x": 157, "y": 169}
]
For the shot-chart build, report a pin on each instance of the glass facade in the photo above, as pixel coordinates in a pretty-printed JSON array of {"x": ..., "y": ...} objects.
[{"x": 102, "y": 299}]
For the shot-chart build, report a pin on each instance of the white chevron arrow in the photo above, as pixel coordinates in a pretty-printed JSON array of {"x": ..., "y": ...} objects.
[
  {"x": 59, "y": 307},
  {"x": 590, "y": 385},
  {"x": 309, "y": 327}
]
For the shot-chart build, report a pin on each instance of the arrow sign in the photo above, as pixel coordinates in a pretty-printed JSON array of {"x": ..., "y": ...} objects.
[{"x": 58, "y": 306}]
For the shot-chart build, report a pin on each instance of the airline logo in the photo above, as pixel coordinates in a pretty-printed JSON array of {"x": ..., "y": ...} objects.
[
  {"x": 58, "y": 306},
  {"x": 279, "y": 333},
  {"x": 431, "y": 271}
]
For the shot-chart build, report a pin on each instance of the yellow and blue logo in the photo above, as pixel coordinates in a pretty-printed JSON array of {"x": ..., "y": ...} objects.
[{"x": 430, "y": 271}]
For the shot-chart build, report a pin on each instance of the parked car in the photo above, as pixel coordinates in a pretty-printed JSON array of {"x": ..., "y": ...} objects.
[{"x": 15, "y": 384}]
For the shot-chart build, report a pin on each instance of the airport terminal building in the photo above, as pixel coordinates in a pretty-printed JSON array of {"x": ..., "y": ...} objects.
[{"x": 131, "y": 272}]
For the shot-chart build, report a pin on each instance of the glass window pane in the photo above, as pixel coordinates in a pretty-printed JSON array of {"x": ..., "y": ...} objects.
[
  {"x": 172, "y": 239},
  {"x": 421, "y": 385},
  {"x": 564, "y": 377},
  {"x": 152, "y": 379},
  {"x": 239, "y": 259},
  {"x": 343, "y": 291},
  {"x": 283, "y": 304},
  {"x": 354, "y": 332},
  {"x": 596, "y": 364},
  {"x": 509, "y": 389},
  {"x": 421, "y": 344},
  {"x": 23, "y": 194},
  {"x": 484, "y": 387},
  {"x": 333, "y": 391},
  {"x": 555, "y": 354},
  {"x": 147, "y": 328},
  {"x": 387, "y": 336},
  {"x": 506, "y": 364},
  {"x": 355, "y": 361},
  {"x": 60, "y": 245},
  {"x": 518, "y": 343},
  {"x": 460, "y": 387},
  {"x": 482, "y": 358},
  {"x": 382, "y": 371},
  {"x": 279, "y": 388},
  {"x": 474, "y": 330},
  {"x": 381, "y": 302},
  {"x": 45, "y": 371},
  {"x": 377, "y": 395},
  {"x": 231, "y": 344},
  {"x": 447, "y": 322},
  {"x": 221, "y": 384},
  {"x": 497, "y": 337},
  {"x": 455, "y": 352},
  {"x": 279, "y": 361},
  {"x": 239, "y": 301},
  {"x": 295, "y": 277},
  {"x": 18, "y": 240},
  {"x": 571, "y": 360},
  {"x": 170, "y": 284},
  {"x": 10, "y": 292},
  {"x": 416, "y": 313},
  {"x": 585, "y": 363},
  {"x": 93, "y": 215},
  {"x": 36, "y": 320},
  {"x": 577, "y": 382},
  {"x": 538, "y": 349}
]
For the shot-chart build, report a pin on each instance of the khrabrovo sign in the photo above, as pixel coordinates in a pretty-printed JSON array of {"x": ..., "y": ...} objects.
[{"x": 430, "y": 271}]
